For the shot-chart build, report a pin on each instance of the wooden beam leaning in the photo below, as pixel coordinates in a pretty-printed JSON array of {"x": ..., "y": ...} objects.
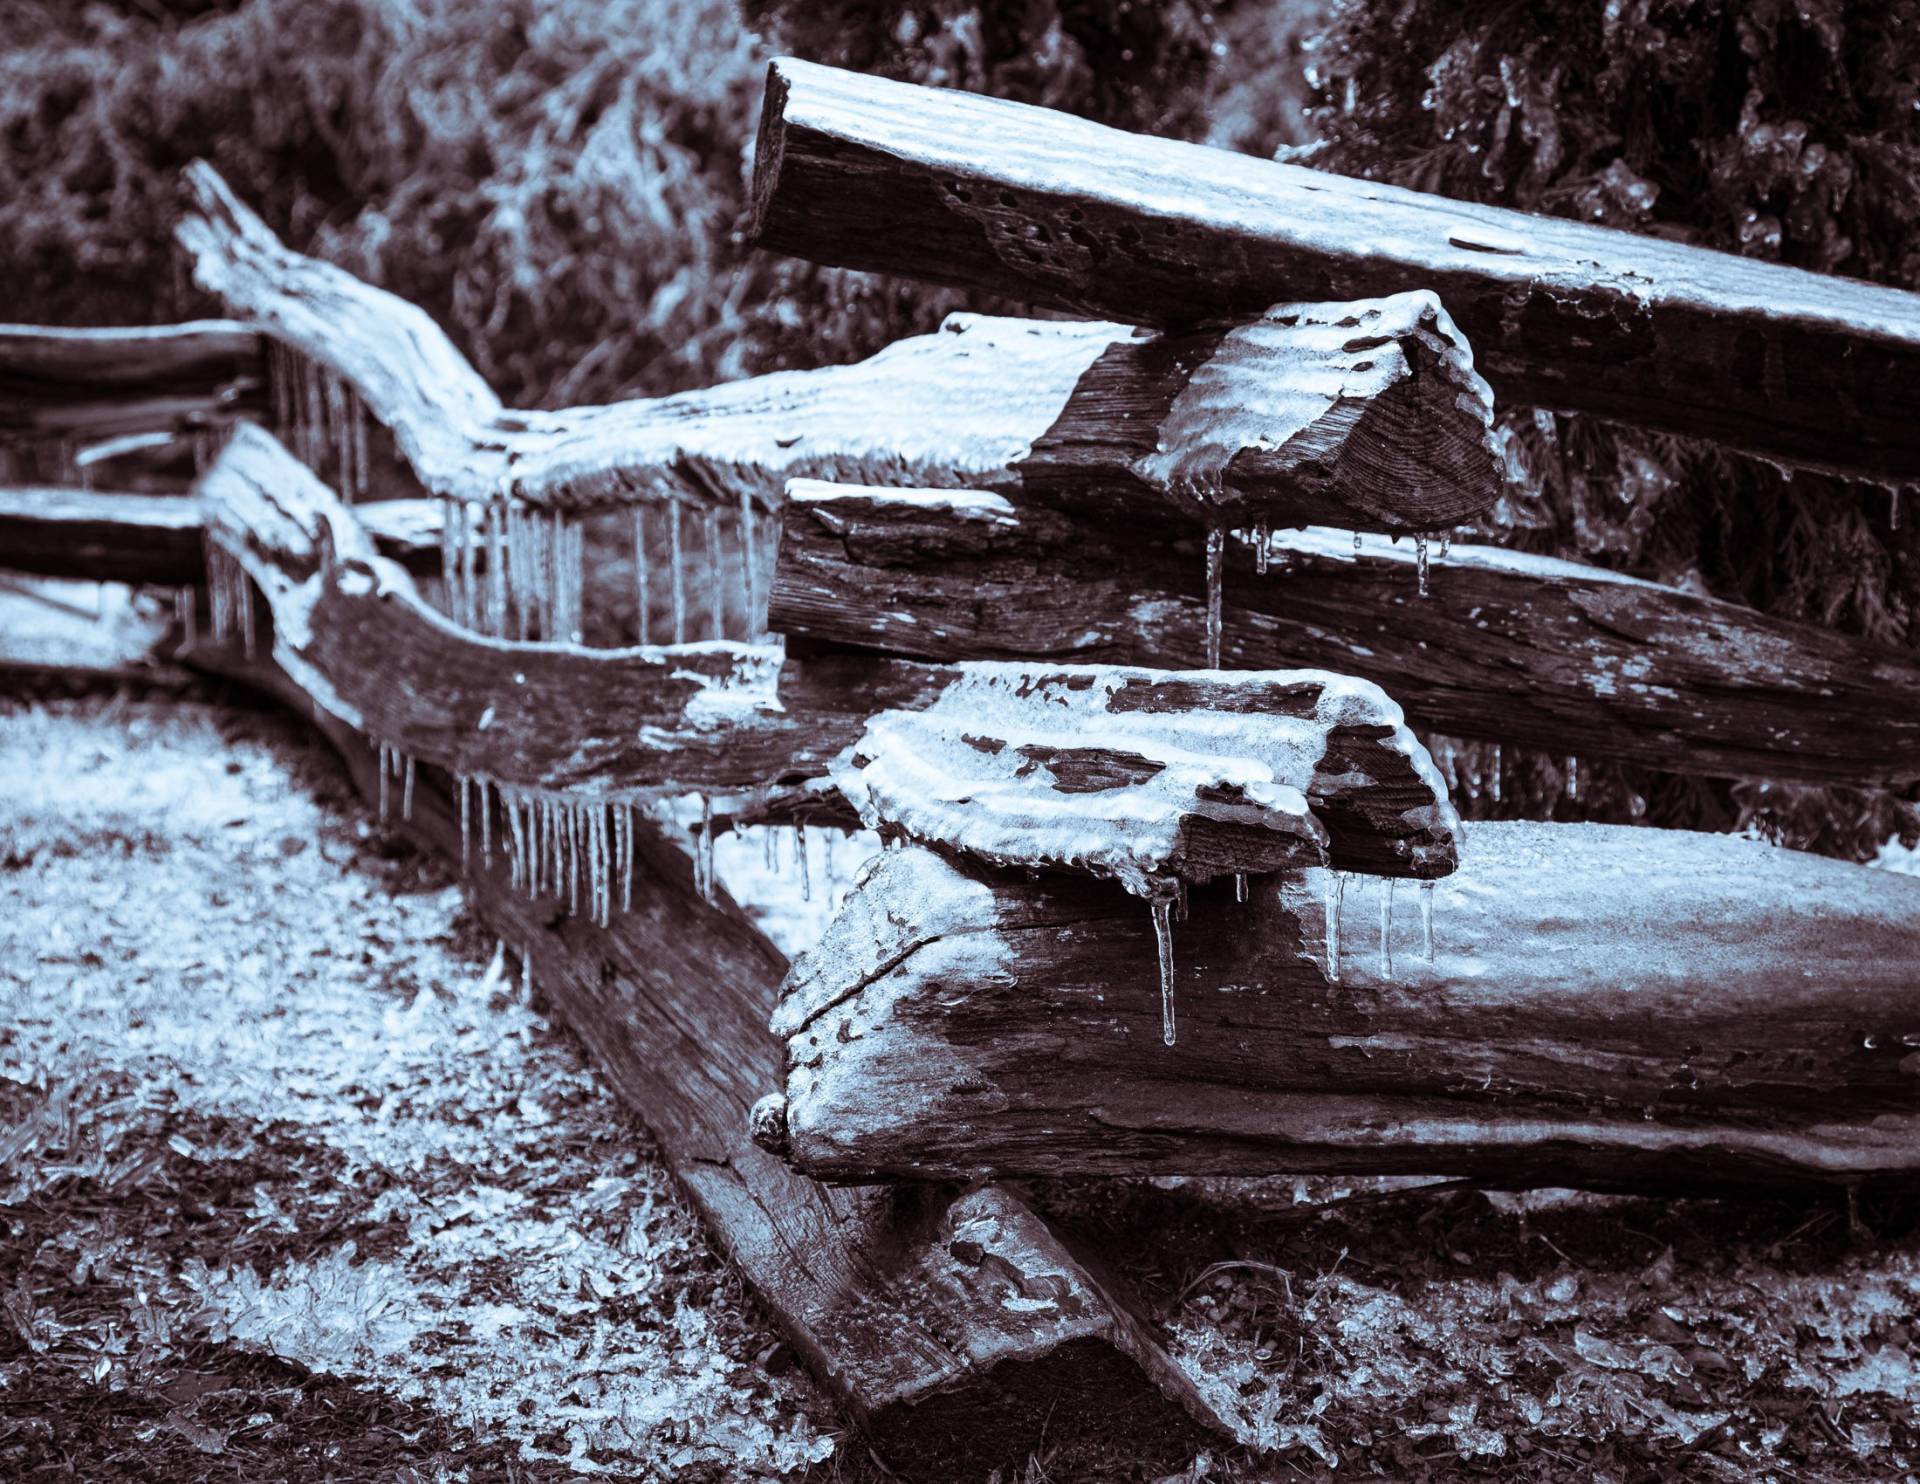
[
  {"x": 1052, "y": 210},
  {"x": 1583, "y": 1004},
  {"x": 99, "y": 384},
  {"x": 955, "y": 1326},
  {"x": 1367, "y": 414},
  {"x": 113, "y": 536},
  {"x": 1505, "y": 647},
  {"x": 716, "y": 717}
]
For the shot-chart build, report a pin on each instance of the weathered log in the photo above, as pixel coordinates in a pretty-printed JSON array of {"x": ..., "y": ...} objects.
[
  {"x": 351, "y": 628},
  {"x": 1505, "y": 647},
  {"x": 1363, "y": 414},
  {"x": 105, "y": 383},
  {"x": 109, "y": 536},
  {"x": 1597, "y": 1005},
  {"x": 954, "y": 1325},
  {"x": 1053, "y": 210}
]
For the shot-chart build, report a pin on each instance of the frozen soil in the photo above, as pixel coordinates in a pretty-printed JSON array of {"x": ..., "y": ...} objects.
[{"x": 297, "y": 1182}]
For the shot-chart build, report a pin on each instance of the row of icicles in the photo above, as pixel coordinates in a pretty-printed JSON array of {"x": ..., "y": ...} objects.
[
  {"x": 1259, "y": 537},
  {"x": 511, "y": 571},
  {"x": 1165, "y": 907}
]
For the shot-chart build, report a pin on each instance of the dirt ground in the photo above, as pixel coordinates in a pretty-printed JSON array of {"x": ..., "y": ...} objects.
[{"x": 297, "y": 1182}]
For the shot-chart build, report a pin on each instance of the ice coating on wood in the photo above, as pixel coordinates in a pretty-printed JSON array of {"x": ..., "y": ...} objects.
[
  {"x": 1297, "y": 382},
  {"x": 1074, "y": 767}
]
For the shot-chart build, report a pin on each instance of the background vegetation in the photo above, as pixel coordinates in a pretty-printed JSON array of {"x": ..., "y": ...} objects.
[{"x": 562, "y": 181}]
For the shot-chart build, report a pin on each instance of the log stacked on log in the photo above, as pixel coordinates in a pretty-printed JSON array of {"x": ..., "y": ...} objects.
[
  {"x": 1372, "y": 415},
  {"x": 1048, "y": 209},
  {"x": 95, "y": 384},
  {"x": 1591, "y": 1004},
  {"x": 1504, "y": 646}
]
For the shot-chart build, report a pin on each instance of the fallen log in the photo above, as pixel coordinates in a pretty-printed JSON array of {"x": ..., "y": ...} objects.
[
  {"x": 96, "y": 384},
  {"x": 1358, "y": 414},
  {"x": 547, "y": 720},
  {"x": 957, "y": 1329},
  {"x": 117, "y": 536},
  {"x": 1505, "y": 646},
  {"x": 1578, "y": 1004},
  {"x": 1048, "y": 209}
]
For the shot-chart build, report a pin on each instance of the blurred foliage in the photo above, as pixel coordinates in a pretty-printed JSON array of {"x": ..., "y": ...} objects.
[{"x": 1782, "y": 129}]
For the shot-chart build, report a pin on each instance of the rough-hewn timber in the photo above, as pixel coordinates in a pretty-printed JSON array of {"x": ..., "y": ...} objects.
[
  {"x": 105, "y": 383},
  {"x": 1506, "y": 647},
  {"x": 958, "y": 1330},
  {"x": 1600, "y": 1004},
  {"x": 1362, "y": 414},
  {"x": 1053, "y": 210},
  {"x": 721, "y": 717},
  {"x": 114, "y": 536}
]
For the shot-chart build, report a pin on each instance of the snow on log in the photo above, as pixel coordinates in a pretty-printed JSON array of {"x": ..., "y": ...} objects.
[
  {"x": 1048, "y": 209},
  {"x": 1505, "y": 647},
  {"x": 1151, "y": 779},
  {"x": 1584, "y": 1004},
  {"x": 57, "y": 382},
  {"x": 958, "y": 1330},
  {"x": 600, "y": 724},
  {"x": 116, "y": 536},
  {"x": 1361, "y": 414}
]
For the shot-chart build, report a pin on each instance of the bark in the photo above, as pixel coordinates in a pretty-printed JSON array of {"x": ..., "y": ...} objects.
[
  {"x": 954, "y": 1325},
  {"x": 1385, "y": 424},
  {"x": 105, "y": 383},
  {"x": 1506, "y": 647},
  {"x": 1052, "y": 210},
  {"x": 1601, "y": 1005}
]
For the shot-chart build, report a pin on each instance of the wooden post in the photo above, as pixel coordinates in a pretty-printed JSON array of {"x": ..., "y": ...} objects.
[
  {"x": 1048, "y": 209},
  {"x": 1504, "y": 647},
  {"x": 1595, "y": 1004}
]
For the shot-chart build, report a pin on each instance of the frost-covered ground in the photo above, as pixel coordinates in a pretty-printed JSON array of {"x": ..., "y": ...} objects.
[{"x": 295, "y": 1183}]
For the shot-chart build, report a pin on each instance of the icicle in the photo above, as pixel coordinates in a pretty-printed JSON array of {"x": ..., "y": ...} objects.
[
  {"x": 574, "y": 545},
  {"x": 1420, "y": 561},
  {"x": 1386, "y": 929},
  {"x": 450, "y": 524},
  {"x": 679, "y": 582},
  {"x": 1216, "y": 561},
  {"x": 1260, "y": 539},
  {"x": 357, "y": 427},
  {"x": 1893, "y": 508},
  {"x": 384, "y": 775},
  {"x": 1446, "y": 544},
  {"x": 486, "y": 822},
  {"x": 466, "y": 826},
  {"x": 496, "y": 533},
  {"x": 627, "y": 864},
  {"x": 570, "y": 819},
  {"x": 516, "y": 839},
  {"x": 1426, "y": 919},
  {"x": 314, "y": 428},
  {"x": 716, "y": 592},
  {"x": 243, "y": 589},
  {"x": 827, "y": 843},
  {"x": 406, "y": 790},
  {"x": 186, "y": 608},
  {"x": 1163, "y": 940},
  {"x": 1494, "y": 776},
  {"x": 703, "y": 872},
  {"x": 1336, "y": 892},
  {"x": 770, "y": 845},
  {"x": 750, "y": 596},
  {"x": 1573, "y": 776},
  {"x": 640, "y": 570},
  {"x": 800, "y": 853},
  {"x": 1240, "y": 886},
  {"x": 1180, "y": 899}
]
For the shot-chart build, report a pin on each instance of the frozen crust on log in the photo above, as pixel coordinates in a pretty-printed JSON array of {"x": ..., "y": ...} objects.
[
  {"x": 959, "y": 1331},
  {"x": 1048, "y": 209},
  {"x": 1507, "y": 646},
  {"x": 1143, "y": 777},
  {"x": 106, "y": 383},
  {"x": 719, "y": 717},
  {"x": 1600, "y": 1005},
  {"x": 1378, "y": 423},
  {"x": 115, "y": 536}
]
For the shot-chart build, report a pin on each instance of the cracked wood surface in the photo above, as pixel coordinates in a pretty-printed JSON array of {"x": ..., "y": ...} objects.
[
  {"x": 1507, "y": 646},
  {"x": 1373, "y": 412},
  {"x": 1602, "y": 1005},
  {"x": 1048, "y": 209}
]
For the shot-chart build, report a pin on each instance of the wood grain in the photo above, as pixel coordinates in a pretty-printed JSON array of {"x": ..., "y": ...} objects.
[
  {"x": 1603, "y": 1005},
  {"x": 97, "y": 384},
  {"x": 1507, "y": 647},
  {"x": 1048, "y": 209}
]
